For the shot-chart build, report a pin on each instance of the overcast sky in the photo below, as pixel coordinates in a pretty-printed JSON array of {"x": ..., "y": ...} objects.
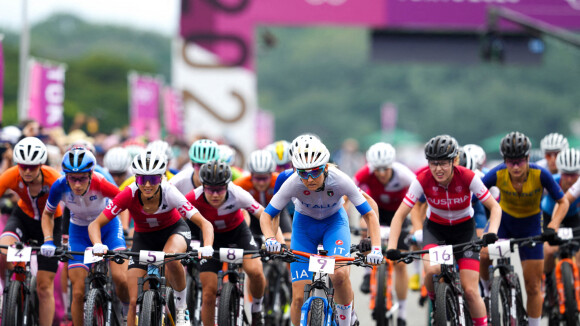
[{"x": 156, "y": 15}]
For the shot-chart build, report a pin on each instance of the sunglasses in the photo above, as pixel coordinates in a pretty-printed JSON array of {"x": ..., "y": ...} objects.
[
  {"x": 518, "y": 161},
  {"x": 218, "y": 190},
  {"x": 72, "y": 179},
  {"x": 313, "y": 173},
  {"x": 197, "y": 166},
  {"x": 152, "y": 179},
  {"x": 261, "y": 178},
  {"x": 443, "y": 164},
  {"x": 381, "y": 169},
  {"x": 28, "y": 167}
]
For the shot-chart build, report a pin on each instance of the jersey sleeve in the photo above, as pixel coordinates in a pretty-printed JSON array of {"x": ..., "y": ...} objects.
[
  {"x": 413, "y": 194},
  {"x": 550, "y": 184},
  {"x": 7, "y": 178},
  {"x": 575, "y": 189},
  {"x": 490, "y": 178},
  {"x": 282, "y": 177},
  {"x": 119, "y": 203},
  {"x": 479, "y": 189},
  {"x": 178, "y": 200},
  {"x": 282, "y": 197},
  {"x": 108, "y": 189},
  {"x": 55, "y": 195},
  {"x": 353, "y": 193}
]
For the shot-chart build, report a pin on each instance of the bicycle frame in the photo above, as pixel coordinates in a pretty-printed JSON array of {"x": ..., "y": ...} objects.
[
  {"x": 98, "y": 278},
  {"x": 450, "y": 275},
  {"x": 506, "y": 271}
]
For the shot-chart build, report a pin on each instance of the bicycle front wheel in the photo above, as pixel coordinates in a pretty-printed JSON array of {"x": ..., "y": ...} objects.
[
  {"x": 380, "y": 311},
  {"x": 229, "y": 305},
  {"x": 194, "y": 300},
  {"x": 571, "y": 314},
  {"x": 317, "y": 312},
  {"x": 95, "y": 308},
  {"x": 171, "y": 312},
  {"x": 446, "y": 308},
  {"x": 500, "y": 302},
  {"x": 14, "y": 305},
  {"x": 149, "y": 312}
]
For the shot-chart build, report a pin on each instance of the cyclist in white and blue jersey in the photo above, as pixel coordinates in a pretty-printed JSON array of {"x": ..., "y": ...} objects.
[
  {"x": 317, "y": 189},
  {"x": 86, "y": 194}
]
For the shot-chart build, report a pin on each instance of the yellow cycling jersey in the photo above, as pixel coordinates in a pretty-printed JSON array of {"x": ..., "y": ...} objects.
[{"x": 131, "y": 179}]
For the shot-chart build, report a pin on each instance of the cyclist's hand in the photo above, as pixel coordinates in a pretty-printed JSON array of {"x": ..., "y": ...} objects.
[
  {"x": 551, "y": 236},
  {"x": 418, "y": 236},
  {"x": 376, "y": 256},
  {"x": 489, "y": 238},
  {"x": 100, "y": 249},
  {"x": 206, "y": 252},
  {"x": 48, "y": 249},
  {"x": 393, "y": 254},
  {"x": 272, "y": 245},
  {"x": 364, "y": 245}
]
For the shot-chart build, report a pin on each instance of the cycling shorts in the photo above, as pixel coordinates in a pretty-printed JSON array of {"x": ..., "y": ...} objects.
[
  {"x": 570, "y": 221},
  {"x": 332, "y": 232},
  {"x": 435, "y": 234},
  {"x": 240, "y": 238},
  {"x": 195, "y": 230},
  {"x": 111, "y": 235},
  {"x": 156, "y": 240},
  {"x": 512, "y": 227},
  {"x": 24, "y": 228}
]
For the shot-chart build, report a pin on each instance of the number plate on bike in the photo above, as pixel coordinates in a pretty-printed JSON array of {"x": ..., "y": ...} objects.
[
  {"x": 232, "y": 255},
  {"x": 499, "y": 249},
  {"x": 89, "y": 258},
  {"x": 441, "y": 255},
  {"x": 151, "y": 257},
  {"x": 17, "y": 255},
  {"x": 321, "y": 264},
  {"x": 565, "y": 233}
]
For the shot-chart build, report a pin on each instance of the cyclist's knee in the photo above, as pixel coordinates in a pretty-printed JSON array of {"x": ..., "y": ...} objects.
[
  {"x": 340, "y": 278},
  {"x": 471, "y": 293}
]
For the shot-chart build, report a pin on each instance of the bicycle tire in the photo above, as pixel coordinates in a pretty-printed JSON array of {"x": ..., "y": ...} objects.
[
  {"x": 14, "y": 305},
  {"x": 32, "y": 319},
  {"x": 270, "y": 318},
  {"x": 149, "y": 313},
  {"x": 286, "y": 299},
  {"x": 193, "y": 302},
  {"x": 317, "y": 312},
  {"x": 228, "y": 305},
  {"x": 380, "y": 311},
  {"x": 571, "y": 314},
  {"x": 95, "y": 311},
  {"x": 500, "y": 302},
  {"x": 446, "y": 311},
  {"x": 170, "y": 302},
  {"x": 522, "y": 316}
]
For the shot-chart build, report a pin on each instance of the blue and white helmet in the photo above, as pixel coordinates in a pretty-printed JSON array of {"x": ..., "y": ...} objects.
[{"x": 78, "y": 160}]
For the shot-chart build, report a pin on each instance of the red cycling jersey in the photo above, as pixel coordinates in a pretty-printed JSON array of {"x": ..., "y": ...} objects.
[
  {"x": 388, "y": 196},
  {"x": 448, "y": 205}
]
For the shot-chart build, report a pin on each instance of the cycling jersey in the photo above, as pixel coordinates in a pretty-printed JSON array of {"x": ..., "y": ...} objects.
[
  {"x": 262, "y": 197},
  {"x": 448, "y": 205},
  {"x": 548, "y": 202},
  {"x": 321, "y": 203},
  {"x": 31, "y": 206},
  {"x": 229, "y": 215},
  {"x": 388, "y": 196},
  {"x": 85, "y": 208},
  {"x": 282, "y": 177},
  {"x": 173, "y": 206},
  {"x": 183, "y": 181},
  {"x": 105, "y": 173},
  {"x": 526, "y": 203},
  {"x": 131, "y": 180}
]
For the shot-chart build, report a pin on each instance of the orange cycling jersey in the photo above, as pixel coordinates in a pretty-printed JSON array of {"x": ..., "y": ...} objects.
[
  {"x": 31, "y": 206},
  {"x": 261, "y": 197}
]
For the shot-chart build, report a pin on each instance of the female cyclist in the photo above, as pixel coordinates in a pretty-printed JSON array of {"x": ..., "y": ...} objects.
[
  {"x": 448, "y": 189},
  {"x": 157, "y": 209},
  {"x": 317, "y": 189}
]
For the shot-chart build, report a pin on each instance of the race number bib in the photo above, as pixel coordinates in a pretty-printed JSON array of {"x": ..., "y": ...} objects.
[
  {"x": 151, "y": 257},
  {"x": 499, "y": 249},
  {"x": 441, "y": 255},
  {"x": 321, "y": 264},
  {"x": 565, "y": 233},
  {"x": 18, "y": 255},
  {"x": 89, "y": 258},
  {"x": 232, "y": 255}
]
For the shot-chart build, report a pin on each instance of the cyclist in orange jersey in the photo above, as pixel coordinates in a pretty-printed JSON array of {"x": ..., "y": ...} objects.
[{"x": 32, "y": 180}]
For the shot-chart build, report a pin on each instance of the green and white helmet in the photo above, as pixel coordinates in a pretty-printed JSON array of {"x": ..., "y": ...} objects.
[{"x": 203, "y": 151}]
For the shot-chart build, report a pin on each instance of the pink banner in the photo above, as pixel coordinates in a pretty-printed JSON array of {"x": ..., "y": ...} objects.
[
  {"x": 46, "y": 93},
  {"x": 1, "y": 80},
  {"x": 388, "y": 117},
  {"x": 144, "y": 106},
  {"x": 265, "y": 125},
  {"x": 173, "y": 109}
]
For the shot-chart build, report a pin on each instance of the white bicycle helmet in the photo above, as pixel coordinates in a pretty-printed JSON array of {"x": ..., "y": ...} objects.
[
  {"x": 117, "y": 160},
  {"x": 161, "y": 146},
  {"x": 308, "y": 152},
  {"x": 477, "y": 154},
  {"x": 10, "y": 134},
  {"x": 466, "y": 159},
  {"x": 553, "y": 142},
  {"x": 261, "y": 161},
  {"x": 30, "y": 151},
  {"x": 149, "y": 163},
  {"x": 226, "y": 154},
  {"x": 568, "y": 161},
  {"x": 380, "y": 155},
  {"x": 279, "y": 152}
]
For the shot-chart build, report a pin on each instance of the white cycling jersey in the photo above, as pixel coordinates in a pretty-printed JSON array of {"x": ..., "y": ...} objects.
[{"x": 183, "y": 181}]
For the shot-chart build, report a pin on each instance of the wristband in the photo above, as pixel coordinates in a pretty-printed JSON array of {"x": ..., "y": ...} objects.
[
  {"x": 376, "y": 248},
  {"x": 48, "y": 237}
]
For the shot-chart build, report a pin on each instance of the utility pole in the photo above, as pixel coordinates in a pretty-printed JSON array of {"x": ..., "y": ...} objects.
[{"x": 23, "y": 61}]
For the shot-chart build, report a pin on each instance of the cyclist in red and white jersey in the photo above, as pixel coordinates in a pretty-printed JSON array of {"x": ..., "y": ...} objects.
[
  {"x": 448, "y": 190},
  {"x": 158, "y": 209}
]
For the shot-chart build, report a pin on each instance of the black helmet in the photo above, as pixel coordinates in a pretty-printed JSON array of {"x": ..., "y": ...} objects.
[
  {"x": 442, "y": 147},
  {"x": 215, "y": 173},
  {"x": 515, "y": 145}
]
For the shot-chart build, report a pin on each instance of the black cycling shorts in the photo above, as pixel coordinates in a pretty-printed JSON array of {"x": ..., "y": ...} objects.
[{"x": 435, "y": 234}]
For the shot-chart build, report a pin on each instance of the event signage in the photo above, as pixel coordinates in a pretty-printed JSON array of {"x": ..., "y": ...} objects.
[
  {"x": 46, "y": 93},
  {"x": 144, "y": 95}
]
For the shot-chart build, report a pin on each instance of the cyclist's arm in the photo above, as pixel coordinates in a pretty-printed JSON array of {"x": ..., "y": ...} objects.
[
  {"x": 560, "y": 210},
  {"x": 418, "y": 214},
  {"x": 125, "y": 219},
  {"x": 266, "y": 225},
  {"x": 47, "y": 223},
  {"x": 397, "y": 224},
  {"x": 373, "y": 204},
  {"x": 95, "y": 228},
  {"x": 494, "y": 214},
  {"x": 205, "y": 226},
  {"x": 373, "y": 227}
]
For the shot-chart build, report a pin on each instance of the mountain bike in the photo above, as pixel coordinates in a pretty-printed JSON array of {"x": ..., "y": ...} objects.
[
  {"x": 450, "y": 306},
  {"x": 278, "y": 293},
  {"x": 381, "y": 303},
  {"x": 194, "y": 290},
  {"x": 318, "y": 308}
]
